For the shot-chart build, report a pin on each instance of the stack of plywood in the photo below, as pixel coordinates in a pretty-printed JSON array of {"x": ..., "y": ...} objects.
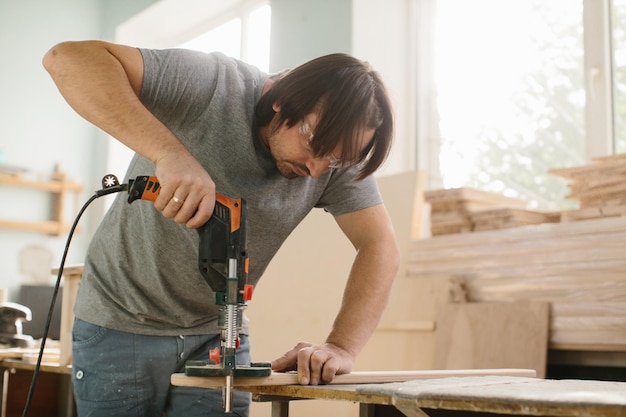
[
  {"x": 578, "y": 267},
  {"x": 599, "y": 187},
  {"x": 461, "y": 210},
  {"x": 506, "y": 217}
]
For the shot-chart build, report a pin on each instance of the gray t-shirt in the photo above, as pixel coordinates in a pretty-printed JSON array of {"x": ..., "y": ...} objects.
[{"x": 141, "y": 270}]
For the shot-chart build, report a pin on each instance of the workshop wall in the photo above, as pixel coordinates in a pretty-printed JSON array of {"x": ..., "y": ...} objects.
[
  {"x": 39, "y": 130},
  {"x": 303, "y": 30}
]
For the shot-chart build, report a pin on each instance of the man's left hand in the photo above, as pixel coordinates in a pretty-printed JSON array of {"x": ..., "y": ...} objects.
[{"x": 316, "y": 364}]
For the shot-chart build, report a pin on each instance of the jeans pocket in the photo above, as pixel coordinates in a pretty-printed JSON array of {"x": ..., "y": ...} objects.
[
  {"x": 84, "y": 333},
  {"x": 101, "y": 378}
]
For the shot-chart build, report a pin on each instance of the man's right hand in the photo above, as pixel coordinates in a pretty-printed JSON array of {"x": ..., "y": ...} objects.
[{"x": 187, "y": 191}]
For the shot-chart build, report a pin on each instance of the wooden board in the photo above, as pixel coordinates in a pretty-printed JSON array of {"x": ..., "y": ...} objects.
[
  {"x": 596, "y": 185},
  {"x": 462, "y": 210},
  {"x": 363, "y": 377},
  {"x": 503, "y": 218},
  {"x": 71, "y": 280},
  {"x": 472, "y": 195},
  {"x": 578, "y": 267},
  {"x": 27, "y": 355},
  {"x": 593, "y": 213},
  {"x": 507, "y": 396},
  {"x": 603, "y": 165},
  {"x": 493, "y": 335},
  {"x": 54, "y": 368},
  {"x": 14, "y": 352}
]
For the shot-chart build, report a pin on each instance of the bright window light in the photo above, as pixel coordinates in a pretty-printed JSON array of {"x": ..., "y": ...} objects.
[
  {"x": 225, "y": 38},
  {"x": 510, "y": 95},
  {"x": 246, "y": 38},
  {"x": 618, "y": 21}
]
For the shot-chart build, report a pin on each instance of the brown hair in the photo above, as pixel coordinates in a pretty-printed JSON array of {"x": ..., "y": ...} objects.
[{"x": 348, "y": 97}]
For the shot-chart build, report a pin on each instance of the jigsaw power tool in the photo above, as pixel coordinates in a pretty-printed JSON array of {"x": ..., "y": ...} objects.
[{"x": 223, "y": 262}]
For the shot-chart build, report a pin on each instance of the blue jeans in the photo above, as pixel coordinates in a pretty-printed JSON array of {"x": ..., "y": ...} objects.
[{"x": 125, "y": 374}]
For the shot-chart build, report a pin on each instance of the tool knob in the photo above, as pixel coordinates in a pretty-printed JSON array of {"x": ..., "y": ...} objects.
[
  {"x": 247, "y": 292},
  {"x": 215, "y": 355}
]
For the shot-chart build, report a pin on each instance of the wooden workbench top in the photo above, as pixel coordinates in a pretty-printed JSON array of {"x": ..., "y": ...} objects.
[
  {"x": 54, "y": 368},
  {"x": 507, "y": 395},
  {"x": 498, "y": 393}
]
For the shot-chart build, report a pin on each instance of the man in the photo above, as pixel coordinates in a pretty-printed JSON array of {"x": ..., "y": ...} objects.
[{"x": 206, "y": 123}]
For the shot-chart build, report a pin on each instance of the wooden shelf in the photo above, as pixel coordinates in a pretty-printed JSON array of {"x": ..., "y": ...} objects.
[
  {"x": 49, "y": 227},
  {"x": 59, "y": 186}
]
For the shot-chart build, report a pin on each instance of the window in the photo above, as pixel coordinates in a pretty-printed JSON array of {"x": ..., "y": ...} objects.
[
  {"x": 225, "y": 38},
  {"x": 510, "y": 88},
  {"x": 245, "y": 37},
  {"x": 618, "y": 25}
]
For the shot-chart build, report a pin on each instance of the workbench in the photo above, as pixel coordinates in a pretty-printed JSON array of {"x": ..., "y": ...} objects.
[
  {"x": 453, "y": 396},
  {"x": 10, "y": 366}
]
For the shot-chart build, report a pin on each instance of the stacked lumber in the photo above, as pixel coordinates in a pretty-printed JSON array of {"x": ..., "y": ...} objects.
[
  {"x": 599, "y": 187},
  {"x": 461, "y": 210},
  {"x": 578, "y": 267},
  {"x": 506, "y": 217}
]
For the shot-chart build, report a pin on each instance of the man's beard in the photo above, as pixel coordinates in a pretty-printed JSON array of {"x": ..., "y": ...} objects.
[
  {"x": 284, "y": 166},
  {"x": 286, "y": 169}
]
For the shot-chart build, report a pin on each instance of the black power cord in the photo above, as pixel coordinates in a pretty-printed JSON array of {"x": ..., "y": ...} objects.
[{"x": 110, "y": 185}]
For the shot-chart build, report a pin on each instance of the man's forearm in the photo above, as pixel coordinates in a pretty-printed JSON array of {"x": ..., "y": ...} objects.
[{"x": 366, "y": 296}]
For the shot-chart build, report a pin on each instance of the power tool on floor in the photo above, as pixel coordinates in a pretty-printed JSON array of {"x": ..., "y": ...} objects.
[
  {"x": 223, "y": 262},
  {"x": 11, "y": 317}
]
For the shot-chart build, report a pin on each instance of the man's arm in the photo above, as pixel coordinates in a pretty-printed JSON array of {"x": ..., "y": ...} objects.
[
  {"x": 364, "y": 300},
  {"x": 101, "y": 81}
]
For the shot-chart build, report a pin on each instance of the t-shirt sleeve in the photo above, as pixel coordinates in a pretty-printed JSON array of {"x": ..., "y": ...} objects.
[
  {"x": 178, "y": 83},
  {"x": 344, "y": 195}
]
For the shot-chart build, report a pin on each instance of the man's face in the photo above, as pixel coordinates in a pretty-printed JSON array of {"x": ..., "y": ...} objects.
[{"x": 292, "y": 151}]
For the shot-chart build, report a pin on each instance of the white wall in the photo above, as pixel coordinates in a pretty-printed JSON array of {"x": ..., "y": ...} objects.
[
  {"x": 383, "y": 36},
  {"x": 306, "y": 29},
  {"x": 38, "y": 129}
]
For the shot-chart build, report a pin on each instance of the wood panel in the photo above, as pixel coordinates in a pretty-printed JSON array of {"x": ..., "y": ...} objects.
[
  {"x": 493, "y": 335},
  {"x": 578, "y": 267},
  {"x": 362, "y": 377},
  {"x": 598, "y": 184}
]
